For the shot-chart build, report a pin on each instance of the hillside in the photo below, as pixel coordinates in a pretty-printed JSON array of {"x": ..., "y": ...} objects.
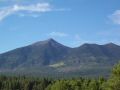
[{"x": 52, "y": 58}]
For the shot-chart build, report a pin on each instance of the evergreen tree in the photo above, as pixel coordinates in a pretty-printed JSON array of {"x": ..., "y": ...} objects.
[{"x": 114, "y": 82}]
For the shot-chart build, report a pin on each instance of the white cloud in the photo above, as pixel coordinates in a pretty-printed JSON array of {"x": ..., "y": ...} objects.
[
  {"x": 58, "y": 34},
  {"x": 37, "y": 8},
  {"x": 28, "y": 15},
  {"x": 115, "y": 17},
  {"x": 16, "y": 0},
  {"x": 77, "y": 40}
]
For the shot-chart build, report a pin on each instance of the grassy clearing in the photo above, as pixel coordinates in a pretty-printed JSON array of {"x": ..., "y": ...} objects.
[{"x": 57, "y": 65}]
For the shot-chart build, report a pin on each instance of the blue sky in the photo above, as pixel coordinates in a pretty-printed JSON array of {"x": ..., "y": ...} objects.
[{"x": 70, "y": 22}]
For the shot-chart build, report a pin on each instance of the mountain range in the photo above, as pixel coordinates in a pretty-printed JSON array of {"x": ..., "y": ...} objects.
[{"x": 52, "y": 58}]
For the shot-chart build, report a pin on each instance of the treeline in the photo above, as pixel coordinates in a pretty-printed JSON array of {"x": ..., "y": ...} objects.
[{"x": 31, "y": 83}]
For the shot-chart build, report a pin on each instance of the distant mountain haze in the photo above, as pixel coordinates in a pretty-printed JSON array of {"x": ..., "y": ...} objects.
[{"x": 49, "y": 56}]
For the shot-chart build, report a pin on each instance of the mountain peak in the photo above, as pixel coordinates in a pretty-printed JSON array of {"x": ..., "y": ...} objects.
[
  {"x": 111, "y": 44},
  {"x": 49, "y": 41}
]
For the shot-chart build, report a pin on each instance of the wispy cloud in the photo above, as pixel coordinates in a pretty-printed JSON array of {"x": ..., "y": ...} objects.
[
  {"x": 37, "y": 8},
  {"x": 58, "y": 34},
  {"x": 16, "y": 0},
  {"x": 77, "y": 40},
  {"x": 115, "y": 17}
]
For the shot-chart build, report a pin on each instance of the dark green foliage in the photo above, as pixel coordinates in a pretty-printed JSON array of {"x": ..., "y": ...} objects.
[
  {"x": 23, "y": 83},
  {"x": 32, "y": 83},
  {"x": 28, "y": 83},
  {"x": 114, "y": 82}
]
